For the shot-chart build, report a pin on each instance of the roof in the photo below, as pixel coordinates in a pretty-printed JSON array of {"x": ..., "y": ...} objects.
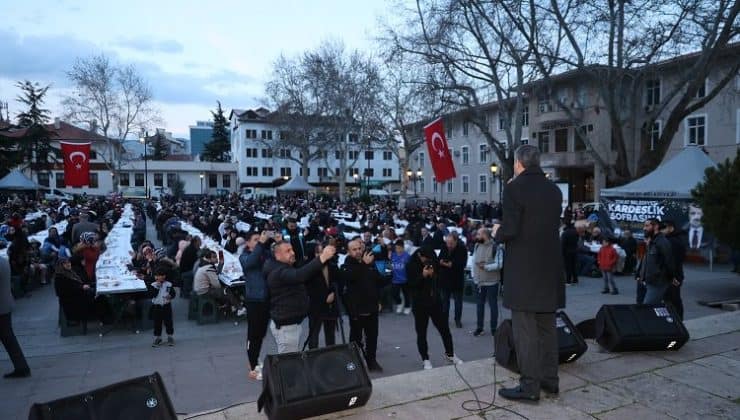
[
  {"x": 673, "y": 179},
  {"x": 296, "y": 184},
  {"x": 15, "y": 180},
  {"x": 60, "y": 131}
]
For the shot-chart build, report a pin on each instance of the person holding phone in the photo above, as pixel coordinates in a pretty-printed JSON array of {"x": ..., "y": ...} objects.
[{"x": 422, "y": 272}]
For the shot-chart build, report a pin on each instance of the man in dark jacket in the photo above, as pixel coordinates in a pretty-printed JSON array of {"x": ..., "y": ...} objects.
[
  {"x": 287, "y": 290},
  {"x": 7, "y": 336},
  {"x": 657, "y": 268},
  {"x": 569, "y": 241},
  {"x": 323, "y": 311},
  {"x": 678, "y": 239},
  {"x": 361, "y": 280},
  {"x": 533, "y": 263},
  {"x": 256, "y": 250},
  {"x": 422, "y": 272},
  {"x": 452, "y": 261}
]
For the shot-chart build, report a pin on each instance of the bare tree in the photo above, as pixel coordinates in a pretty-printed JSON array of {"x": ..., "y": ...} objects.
[{"x": 114, "y": 100}]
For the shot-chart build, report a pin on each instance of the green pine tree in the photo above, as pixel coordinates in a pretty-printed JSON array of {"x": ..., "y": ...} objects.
[
  {"x": 35, "y": 146},
  {"x": 718, "y": 195},
  {"x": 160, "y": 148},
  {"x": 219, "y": 148}
]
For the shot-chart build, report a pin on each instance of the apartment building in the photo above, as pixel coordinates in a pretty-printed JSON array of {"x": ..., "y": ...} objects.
[{"x": 263, "y": 163}]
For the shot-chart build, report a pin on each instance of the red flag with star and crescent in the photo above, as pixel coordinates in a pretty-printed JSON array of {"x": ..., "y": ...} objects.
[
  {"x": 439, "y": 153},
  {"x": 76, "y": 164}
]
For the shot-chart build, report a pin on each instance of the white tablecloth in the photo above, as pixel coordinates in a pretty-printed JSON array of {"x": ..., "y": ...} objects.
[
  {"x": 111, "y": 270},
  {"x": 232, "y": 272}
]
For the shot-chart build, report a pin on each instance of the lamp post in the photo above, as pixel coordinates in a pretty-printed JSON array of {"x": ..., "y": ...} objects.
[
  {"x": 202, "y": 175},
  {"x": 356, "y": 176},
  {"x": 143, "y": 140},
  {"x": 495, "y": 175},
  {"x": 414, "y": 176}
]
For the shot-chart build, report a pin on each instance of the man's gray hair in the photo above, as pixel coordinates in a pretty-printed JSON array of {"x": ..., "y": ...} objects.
[{"x": 528, "y": 155}]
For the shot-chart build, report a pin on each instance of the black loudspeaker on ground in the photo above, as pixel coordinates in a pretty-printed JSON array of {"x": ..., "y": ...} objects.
[
  {"x": 143, "y": 398},
  {"x": 571, "y": 344},
  {"x": 639, "y": 328},
  {"x": 315, "y": 382}
]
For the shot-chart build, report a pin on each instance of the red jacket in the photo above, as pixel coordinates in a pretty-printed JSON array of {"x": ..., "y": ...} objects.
[{"x": 607, "y": 258}]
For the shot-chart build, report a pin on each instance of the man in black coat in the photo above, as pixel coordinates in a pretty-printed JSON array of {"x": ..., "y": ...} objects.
[
  {"x": 569, "y": 241},
  {"x": 7, "y": 336},
  {"x": 533, "y": 261},
  {"x": 452, "y": 261},
  {"x": 361, "y": 280},
  {"x": 677, "y": 238}
]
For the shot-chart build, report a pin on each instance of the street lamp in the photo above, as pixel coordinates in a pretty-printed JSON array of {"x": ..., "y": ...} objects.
[
  {"x": 143, "y": 140},
  {"x": 414, "y": 177},
  {"x": 202, "y": 175},
  {"x": 495, "y": 175}
]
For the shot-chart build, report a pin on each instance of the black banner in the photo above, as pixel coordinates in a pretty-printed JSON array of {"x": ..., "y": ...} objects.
[{"x": 630, "y": 213}]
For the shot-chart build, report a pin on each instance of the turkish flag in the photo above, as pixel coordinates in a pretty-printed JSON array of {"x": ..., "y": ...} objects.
[
  {"x": 439, "y": 153},
  {"x": 76, "y": 164}
]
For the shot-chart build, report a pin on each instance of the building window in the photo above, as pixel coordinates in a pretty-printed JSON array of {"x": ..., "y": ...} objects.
[
  {"x": 421, "y": 185},
  {"x": 158, "y": 179},
  {"x": 283, "y": 135},
  {"x": 93, "y": 180},
  {"x": 655, "y": 133},
  {"x": 465, "y": 155},
  {"x": 354, "y": 171},
  {"x": 285, "y": 171},
  {"x": 308, "y": 171},
  {"x": 251, "y": 134},
  {"x": 465, "y": 184},
  {"x": 171, "y": 180},
  {"x": 524, "y": 141},
  {"x": 138, "y": 179},
  {"x": 226, "y": 180},
  {"x": 266, "y": 134},
  {"x": 702, "y": 91},
  {"x": 354, "y": 154},
  {"x": 420, "y": 155},
  {"x": 696, "y": 130},
  {"x": 387, "y": 172},
  {"x": 483, "y": 153},
  {"x": 449, "y": 131},
  {"x": 387, "y": 155},
  {"x": 652, "y": 90},
  {"x": 544, "y": 106},
  {"x": 122, "y": 179},
  {"x": 337, "y": 172},
  {"x": 60, "y": 179},
  {"x": 502, "y": 124},
  {"x": 252, "y": 171},
  {"x": 323, "y": 172},
  {"x": 43, "y": 179},
  {"x": 525, "y": 115},
  {"x": 284, "y": 153},
  {"x": 212, "y": 180},
  {"x": 353, "y": 137},
  {"x": 93, "y": 154},
  {"x": 435, "y": 185},
  {"x": 543, "y": 138},
  {"x": 482, "y": 184},
  {"x": 266, "y": 153},
  {"x": 267, "y": 171},
  {"x": 338, "y": 155},
  {"x": 465, "y": 128},
  {"x": 369, "y": 155},
  {"x": 450, "y": 189},
  {"x": 561, "y": 140},
  {"x": 252, "y": 152},
  {"x": 585, "y": 131}
]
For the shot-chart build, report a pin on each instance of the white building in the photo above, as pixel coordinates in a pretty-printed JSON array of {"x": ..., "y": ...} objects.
[
  {"x": 261, "y": 162},
  {"x": 161, "y": 175}
]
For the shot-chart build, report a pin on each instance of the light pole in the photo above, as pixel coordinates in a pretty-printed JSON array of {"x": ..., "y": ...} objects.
[
  {"x": 143, "y": 140},
  {"x": 202, "y": 175},
  {"x": 495, "y": 175},
  {"x": 356, "y": 176},
  {"x": 414, "y": 176}
]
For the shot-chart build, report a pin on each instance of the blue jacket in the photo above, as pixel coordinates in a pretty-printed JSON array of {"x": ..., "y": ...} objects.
[{"x": 255, "y": 287}]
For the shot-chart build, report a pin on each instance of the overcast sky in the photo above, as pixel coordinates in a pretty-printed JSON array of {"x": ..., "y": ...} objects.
[{"x": 191, "y": 52}]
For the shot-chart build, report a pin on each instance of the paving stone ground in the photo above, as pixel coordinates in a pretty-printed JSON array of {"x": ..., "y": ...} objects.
[{"x": 207, "y": 368}]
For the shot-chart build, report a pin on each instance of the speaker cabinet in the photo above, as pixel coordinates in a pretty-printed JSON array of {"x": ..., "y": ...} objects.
[
  {"x": 142, "y": 398},
  {"x": 639, "y": 328},
  {"x": 315, "y": 382}
]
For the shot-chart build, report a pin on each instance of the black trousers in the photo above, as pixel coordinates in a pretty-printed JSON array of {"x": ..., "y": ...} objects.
[
  {"x": 314, "y": 327},
  {"x": 11, "y": 343},
  {"x": 673, "y": 296},
  {"x": 160, "y": 314},
  {"x": 397, "y": 289},
  {"x": 571, "y": 268},
  {"x": 258, "y": 319},
  {"x": 536, "y": 344},
  {"x": 422, "y": 315},
  {"x": 365, "y": 327}
]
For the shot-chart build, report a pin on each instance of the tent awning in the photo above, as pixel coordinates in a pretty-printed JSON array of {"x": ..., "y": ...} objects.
[
  {"x": 673, "y": 179},
  {"x": 295, "y": 184},
  {"x": 15, "y": 180}
]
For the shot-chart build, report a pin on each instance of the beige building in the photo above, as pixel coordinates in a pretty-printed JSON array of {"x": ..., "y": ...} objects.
[{"x": 715, "y": 127}]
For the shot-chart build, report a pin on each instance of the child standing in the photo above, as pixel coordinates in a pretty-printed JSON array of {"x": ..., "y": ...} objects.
[
  {"x": 399, "y": 258},
  {"x": 607, "y": 259},
  {"x": 161, "y": 311}
]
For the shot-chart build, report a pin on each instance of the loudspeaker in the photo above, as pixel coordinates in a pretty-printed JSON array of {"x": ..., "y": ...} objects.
[
  {"x": 315, "y": 382},
  {"x": 571, "y": 344},
  {"x": 140, "y": 398},
  {"x": 640, "y": 328}
]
